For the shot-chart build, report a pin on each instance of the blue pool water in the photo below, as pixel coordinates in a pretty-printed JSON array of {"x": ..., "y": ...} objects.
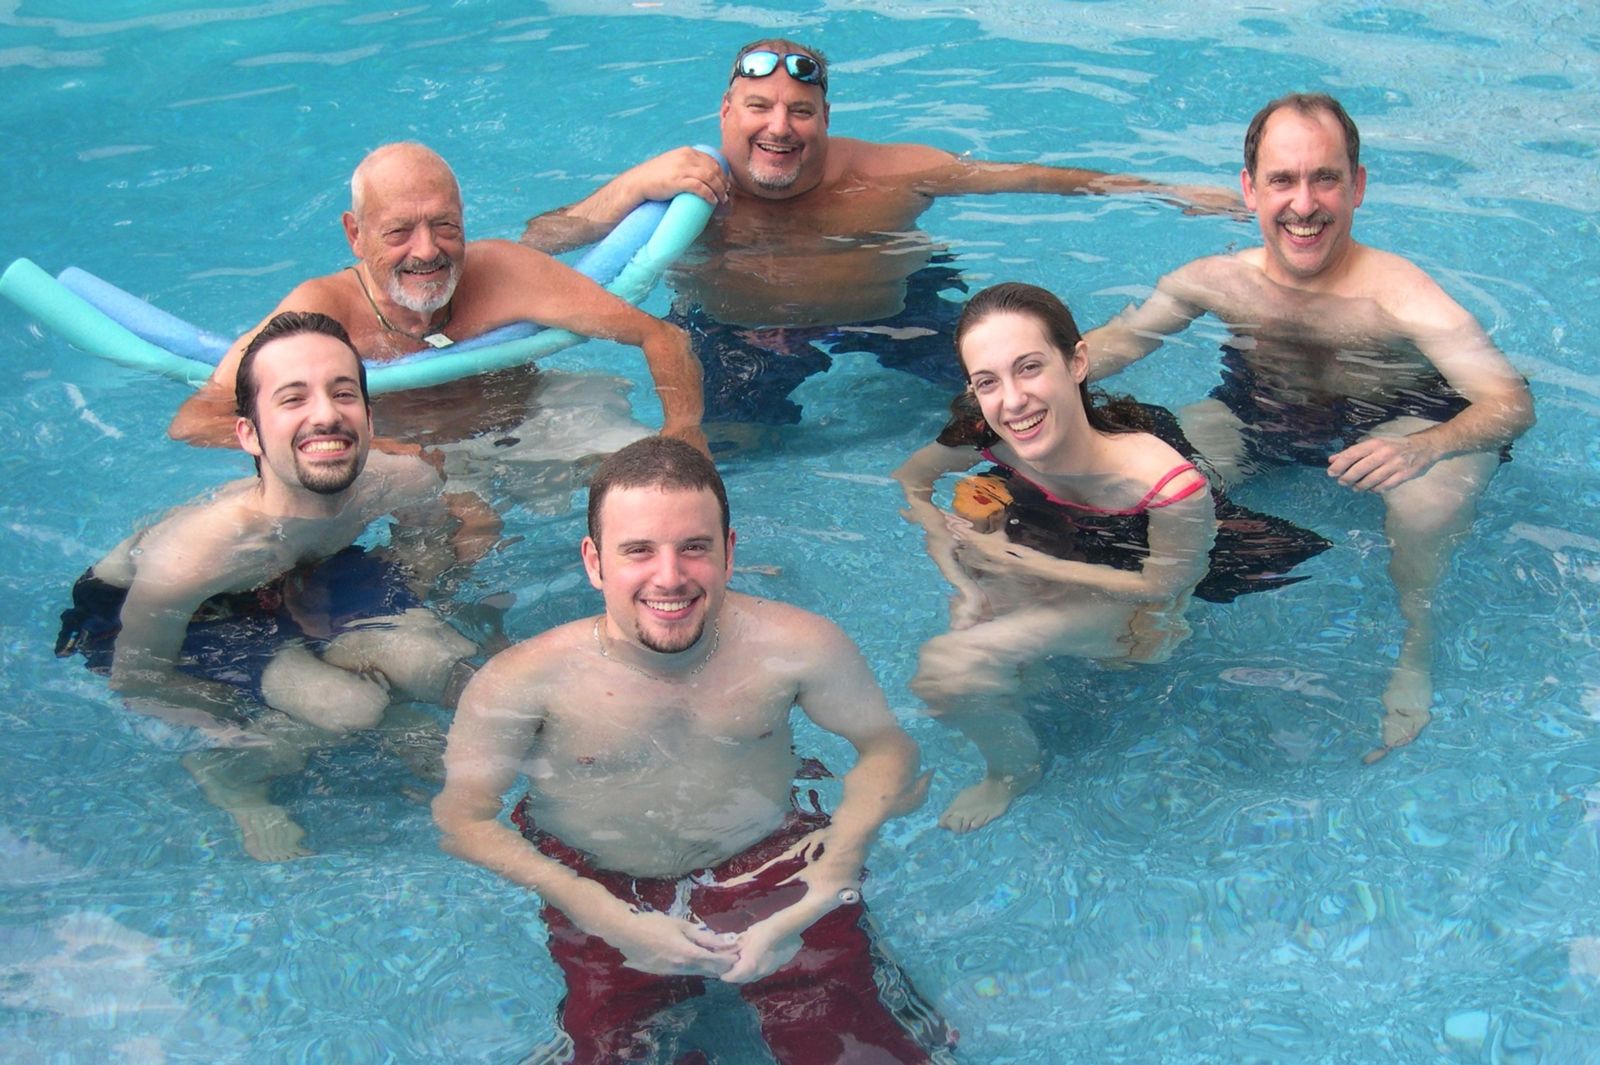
[{"x": 1208, "y": 872}]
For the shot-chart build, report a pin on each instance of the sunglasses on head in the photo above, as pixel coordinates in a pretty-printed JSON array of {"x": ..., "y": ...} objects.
[{"x": 801, "y": 67}]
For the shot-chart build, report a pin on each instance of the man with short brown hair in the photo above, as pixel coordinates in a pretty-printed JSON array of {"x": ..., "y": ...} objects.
[{"x": 1343, "y": 357}]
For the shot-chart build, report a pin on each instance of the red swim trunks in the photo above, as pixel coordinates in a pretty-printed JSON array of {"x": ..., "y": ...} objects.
[{"x": 825, "y": 1005}]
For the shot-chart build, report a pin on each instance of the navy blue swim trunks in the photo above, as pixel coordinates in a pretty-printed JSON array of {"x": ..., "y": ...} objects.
[
  {"x": 232, "y": 637},
  {"x": 749, "y": 372},
  {"x": 1281, "y": 427}
]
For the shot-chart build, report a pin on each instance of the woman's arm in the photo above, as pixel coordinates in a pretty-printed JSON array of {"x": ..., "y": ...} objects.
[{"x": 917, "y": 476}]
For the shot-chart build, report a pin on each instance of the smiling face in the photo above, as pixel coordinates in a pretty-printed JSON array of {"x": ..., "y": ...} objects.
[
  {"x": 661, "y": 563},
  {"x": 775, "y": 135},
  {"x": 1030, "y": 392},
  {"x": 406, "y": 226},
  {"x": 310, "y": 426},
  {"x": 1304, "y": 195}
]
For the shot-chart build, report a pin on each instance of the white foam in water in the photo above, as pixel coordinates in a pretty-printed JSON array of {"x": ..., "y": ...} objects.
[{"x": 97, "y": 969}]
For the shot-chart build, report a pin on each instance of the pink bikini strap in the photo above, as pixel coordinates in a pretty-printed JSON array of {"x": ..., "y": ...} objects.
[
  {"x": 1150, "y": 501},
  {"x": 1146, "y": 503}
]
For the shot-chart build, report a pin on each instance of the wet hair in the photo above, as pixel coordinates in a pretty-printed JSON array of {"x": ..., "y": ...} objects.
[
  {"x": 783, "y": 46},
  {"x": 1305, "y": 103},
  {"x": 281, "y": 325},
  {"x": 656, "y": 462},
  {"x": 1106, "y": 414}
]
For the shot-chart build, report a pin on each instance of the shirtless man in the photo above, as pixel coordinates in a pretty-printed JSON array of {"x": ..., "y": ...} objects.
[
  {"x": 662, "y": 829},
  {"x": 254, "y": 597},
  {"x": 418, "y": 282},
  {"x": 1343, "y": 357},
  {"x": 816, "y": 241}
]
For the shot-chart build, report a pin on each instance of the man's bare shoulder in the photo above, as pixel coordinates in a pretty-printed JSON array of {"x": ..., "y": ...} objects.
[
  {"x": 1207, "y": 281},
  {"x": 517, "y": 675},
  {"x": 1390, "y": 278},
  {"x": 763, "y": 622},
  {"x": 399, "y": 481},
  {"x": 334, "y": 294},
  {"x": 496, "y": 256},
  {"x": 214, "y": 544},
  {"x": 1416, "y": 304},
  {"x": 496, "y": 250},
  {"x": 496, "y": 267},
  {"x": 873, "y": 159}
]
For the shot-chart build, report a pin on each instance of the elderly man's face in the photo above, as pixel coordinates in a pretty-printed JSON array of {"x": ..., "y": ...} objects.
[{"x": 410, "y": 235}]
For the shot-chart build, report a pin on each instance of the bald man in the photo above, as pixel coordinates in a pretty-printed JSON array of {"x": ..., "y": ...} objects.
[{"x": 418, "y": 283}]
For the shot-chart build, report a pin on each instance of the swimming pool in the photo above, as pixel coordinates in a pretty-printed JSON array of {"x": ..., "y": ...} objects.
[{"x": 1207, "y": 874}]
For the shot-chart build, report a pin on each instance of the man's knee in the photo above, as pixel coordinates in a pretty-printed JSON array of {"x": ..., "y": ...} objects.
[
  {"x": 417, "y": 651},
  {"x": 310, "y": 690},
  {"x": 1442, "y": 501},
  {"x": 1218, "y": 434}
]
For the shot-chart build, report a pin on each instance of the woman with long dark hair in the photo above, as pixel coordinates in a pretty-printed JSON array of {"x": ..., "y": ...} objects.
[{"x": 1087, "y": 537}]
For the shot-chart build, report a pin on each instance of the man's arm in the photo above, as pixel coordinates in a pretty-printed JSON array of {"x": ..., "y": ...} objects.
[
  {"x": 434, "y": 530},
  {"x": 660, "y": 178},
  {"x": 934, "y": 172},
  {"x": 494, "y": 732},
  {"x": 206, "y": 418},
  {"x": 1500, "y": 407},
  {"x": 839, "y": 694},
  {"x": 1137, "y": 331},
  {"x": 177, "y": 571},
  {"x": 553, "y": 294}
]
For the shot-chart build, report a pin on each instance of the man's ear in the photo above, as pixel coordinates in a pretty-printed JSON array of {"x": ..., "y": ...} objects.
[
  {"x": 591, "y": 560},
  {"x": 1247, "y": 188},
  {"x": 732, "y": 536},
  {"x": 244, "y": 430},
  {"x": 351, "y": 229}
]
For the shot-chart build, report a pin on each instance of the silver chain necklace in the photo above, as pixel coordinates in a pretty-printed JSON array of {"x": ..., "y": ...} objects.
[{"x": 716, "y": 642}]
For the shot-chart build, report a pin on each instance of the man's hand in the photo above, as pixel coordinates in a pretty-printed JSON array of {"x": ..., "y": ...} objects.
[
  {"x": 771, "y": 943},
  {"x": 669, "y": 946},
  {"x": 1379, "y": 463},
  {"x": 1208, "y": 200},
  {"x": 680, "y": 170}
]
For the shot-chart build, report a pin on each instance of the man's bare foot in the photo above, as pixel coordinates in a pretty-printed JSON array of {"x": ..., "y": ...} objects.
[
  {"x": 269, "y": 834},
  {"x": 1406, "y": 701},
  {"x": 986, "y": 800}
]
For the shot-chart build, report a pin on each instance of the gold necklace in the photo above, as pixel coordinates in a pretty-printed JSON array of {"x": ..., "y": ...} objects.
[{"x": 716, "y": 642}]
